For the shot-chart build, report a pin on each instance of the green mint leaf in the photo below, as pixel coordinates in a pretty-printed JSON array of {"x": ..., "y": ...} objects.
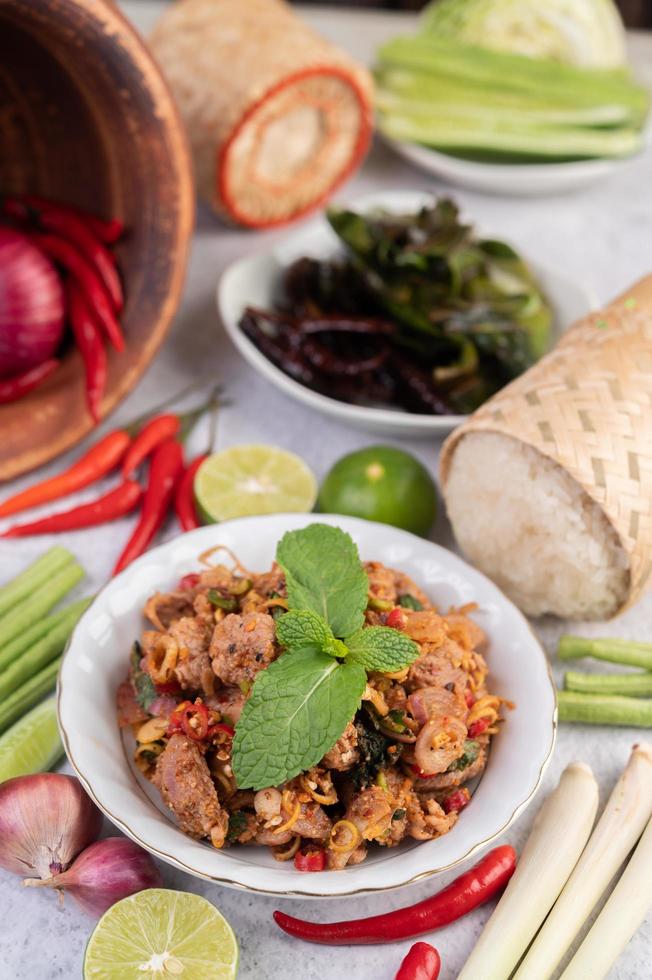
[
  {"x": 141, "y": 682},
  {"x": 382, "y": 648},
  {"x": 323, "y": 573},
  {"x": 470, "y": 754},
  {"x": 302, "y": 627},
  {"x": 299, "y": 707}
]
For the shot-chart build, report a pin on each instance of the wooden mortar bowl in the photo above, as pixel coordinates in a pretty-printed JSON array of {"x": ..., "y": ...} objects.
[{"x": 86, "y": 118}]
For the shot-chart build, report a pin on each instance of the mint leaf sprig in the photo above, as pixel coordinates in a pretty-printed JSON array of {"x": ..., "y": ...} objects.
[{"x": 301, "y": 704}]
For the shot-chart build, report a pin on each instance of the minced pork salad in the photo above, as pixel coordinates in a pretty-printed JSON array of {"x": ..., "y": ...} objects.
[{"x": 316, "y": 708}]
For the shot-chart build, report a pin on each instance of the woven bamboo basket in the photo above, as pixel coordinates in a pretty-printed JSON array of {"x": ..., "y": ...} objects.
[
  {"x": 277, "y": 117},
  {"x": 587, "y": 406}
]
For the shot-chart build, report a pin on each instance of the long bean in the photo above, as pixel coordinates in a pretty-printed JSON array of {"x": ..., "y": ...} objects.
[
  {"x": 41, "y": 653},
  {"x": 34, "y": 575},
  {"x": 604, "y": 709},
  {"x": 633, "y": 685},
  {"x": 614, "y": 651},
  {"x": 28, "y": 694},
  {"x": 12, "y": 650},
  {"x": 44, "y": 598}
]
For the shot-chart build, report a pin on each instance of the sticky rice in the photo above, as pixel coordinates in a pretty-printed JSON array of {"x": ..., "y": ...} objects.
[{"x": 524, "y": 521}]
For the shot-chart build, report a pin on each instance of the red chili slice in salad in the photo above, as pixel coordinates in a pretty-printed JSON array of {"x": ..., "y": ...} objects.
[
  {"x": 191, "y": 719},
  {"x": 456, "y": 801},
  {"x": 187, "y": 582},
  {"x": 310, "y": 860},
  {"x": 478, "y": 727}
]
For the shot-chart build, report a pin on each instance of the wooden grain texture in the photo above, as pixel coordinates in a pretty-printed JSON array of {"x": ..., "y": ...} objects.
[
  {"x": 587, "y": 406},
  {"x": 86, "y": 118}
]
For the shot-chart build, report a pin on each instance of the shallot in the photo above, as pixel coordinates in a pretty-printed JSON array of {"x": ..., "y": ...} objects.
[
  {"x": 105, "y": 872},
  {"x": 45, "y": 821},
  {"x": 31, "y": 304}
]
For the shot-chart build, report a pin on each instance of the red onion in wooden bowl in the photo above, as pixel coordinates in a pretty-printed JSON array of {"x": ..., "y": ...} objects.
[{"x": 31, "y": 304}]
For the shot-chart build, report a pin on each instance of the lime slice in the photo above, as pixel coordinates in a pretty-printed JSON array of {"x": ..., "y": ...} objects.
[
  {"x": 32, "y": 744},
  {"x": 247, "y": 480},
  {"x": 161, "y": 933}
]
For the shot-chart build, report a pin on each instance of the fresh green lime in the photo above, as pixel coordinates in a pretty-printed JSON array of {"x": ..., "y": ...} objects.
[
  {"x": 381, "y": 484},
  {"x": 162, "y": 933},
  {"x": 246, "y": 480},
  {"x": 32, "y": 744}
]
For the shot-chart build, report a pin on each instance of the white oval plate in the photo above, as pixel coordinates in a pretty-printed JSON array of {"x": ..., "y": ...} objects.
[
  {"x": 97, "y": 658},
  {"x": 508, "y": 179},
  {"x": 254, "y": 281}
]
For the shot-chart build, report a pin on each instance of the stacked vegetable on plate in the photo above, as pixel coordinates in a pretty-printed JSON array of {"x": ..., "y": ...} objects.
[
  {"x": 508, "y": 82},
  {"x": 419, "y": 313},
  {"x": 57, "y": 271}
]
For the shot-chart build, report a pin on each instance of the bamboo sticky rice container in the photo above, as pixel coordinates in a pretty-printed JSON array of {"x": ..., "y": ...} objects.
[
  {"x": 583, "y": 414},
  {"x": 277, "y": 117}
]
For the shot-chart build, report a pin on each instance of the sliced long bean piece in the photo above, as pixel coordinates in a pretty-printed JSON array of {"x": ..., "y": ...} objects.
[
  {"x": 604, "y": 709},
  {"x": 34, "y": 575},
  {"x": 614, "y": 651},
  {"x": 28, "y": 694},
  {"x": 41, "y": 653},
  {"x": 43, "y": 599},
  {"x": 12, "y": 650},
  {"x": 633, "y": 685}
]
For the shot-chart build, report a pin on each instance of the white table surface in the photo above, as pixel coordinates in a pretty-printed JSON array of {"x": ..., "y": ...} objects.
[{"x": 603, "y": 236}]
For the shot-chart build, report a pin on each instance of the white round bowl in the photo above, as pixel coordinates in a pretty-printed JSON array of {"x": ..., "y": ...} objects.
[
  {"x": 96, "y": 661},
  {"x": 254, "y": 281},
  {"x": 508, "y": 179}
]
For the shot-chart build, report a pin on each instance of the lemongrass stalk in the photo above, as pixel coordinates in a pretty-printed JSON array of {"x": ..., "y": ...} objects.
[
  {"x": 632, "y": 685},
  {"x": 560, "y": 831},
  {"x": 627, "y": 907},
  {"x": 614, "y": 651},
  {"x": 604, "y": 709},
  {"x": 623, "y": 820},
  {"x": 34, "y": 576}
]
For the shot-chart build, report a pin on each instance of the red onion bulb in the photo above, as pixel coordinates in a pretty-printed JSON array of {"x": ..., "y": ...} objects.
[
  {"x": 32, "y": 309},
  {"x": 104, "y": 873},
  {"x": 45, "y": 821}
]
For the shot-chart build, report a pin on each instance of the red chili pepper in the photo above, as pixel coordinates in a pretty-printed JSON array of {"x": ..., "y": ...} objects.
[
  {"x": 421, "y": 963},
  {"x": 164, "y": 472},
  {"x": 91, "y": 347},
  {"x": 108, "y": 231},
  {"x": 471, "y": 889},
  {"x": 312, "y": 860},
  {"x": 222, "y": 727},
  {"x": 62, "y": 221},
  {"x": 478, "y": 727},
  {"x": 456, "y": 801},
  {"x": 109, "y": 507},
  {"x": 184, "y": 498},
  {"x": 11, "y": 389},
  {"x": 99, "y": 460},
  {"x": 419, "y": 773},
  {"x": 191, "y": 719},
  {"x": 396, "y": 619},
  {"x": 187, "y": 582},
  {"x": 152, "y": 434},
  {"x": 469, "y": 697},
  {"x": 66, "y": 255}
]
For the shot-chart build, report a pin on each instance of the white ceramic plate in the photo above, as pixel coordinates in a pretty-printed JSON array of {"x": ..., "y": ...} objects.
[
  {"x": 508, "y": 179},
  {"x": 97, "y": 658},
  {"x": 254, "y": 281}
]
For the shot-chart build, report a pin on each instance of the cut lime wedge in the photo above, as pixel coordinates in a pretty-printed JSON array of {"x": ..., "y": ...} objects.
[
  {"x": 159, "y": 933},
  {"x": 32, "y": 744},
  {"x": 247, "y": 480}
]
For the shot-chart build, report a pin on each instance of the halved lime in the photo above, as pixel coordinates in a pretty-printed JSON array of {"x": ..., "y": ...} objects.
[
  {"x": 32, "y": 744},
  {"x": 252, "y": 479},
  {"x": 161, "y": 933}
]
